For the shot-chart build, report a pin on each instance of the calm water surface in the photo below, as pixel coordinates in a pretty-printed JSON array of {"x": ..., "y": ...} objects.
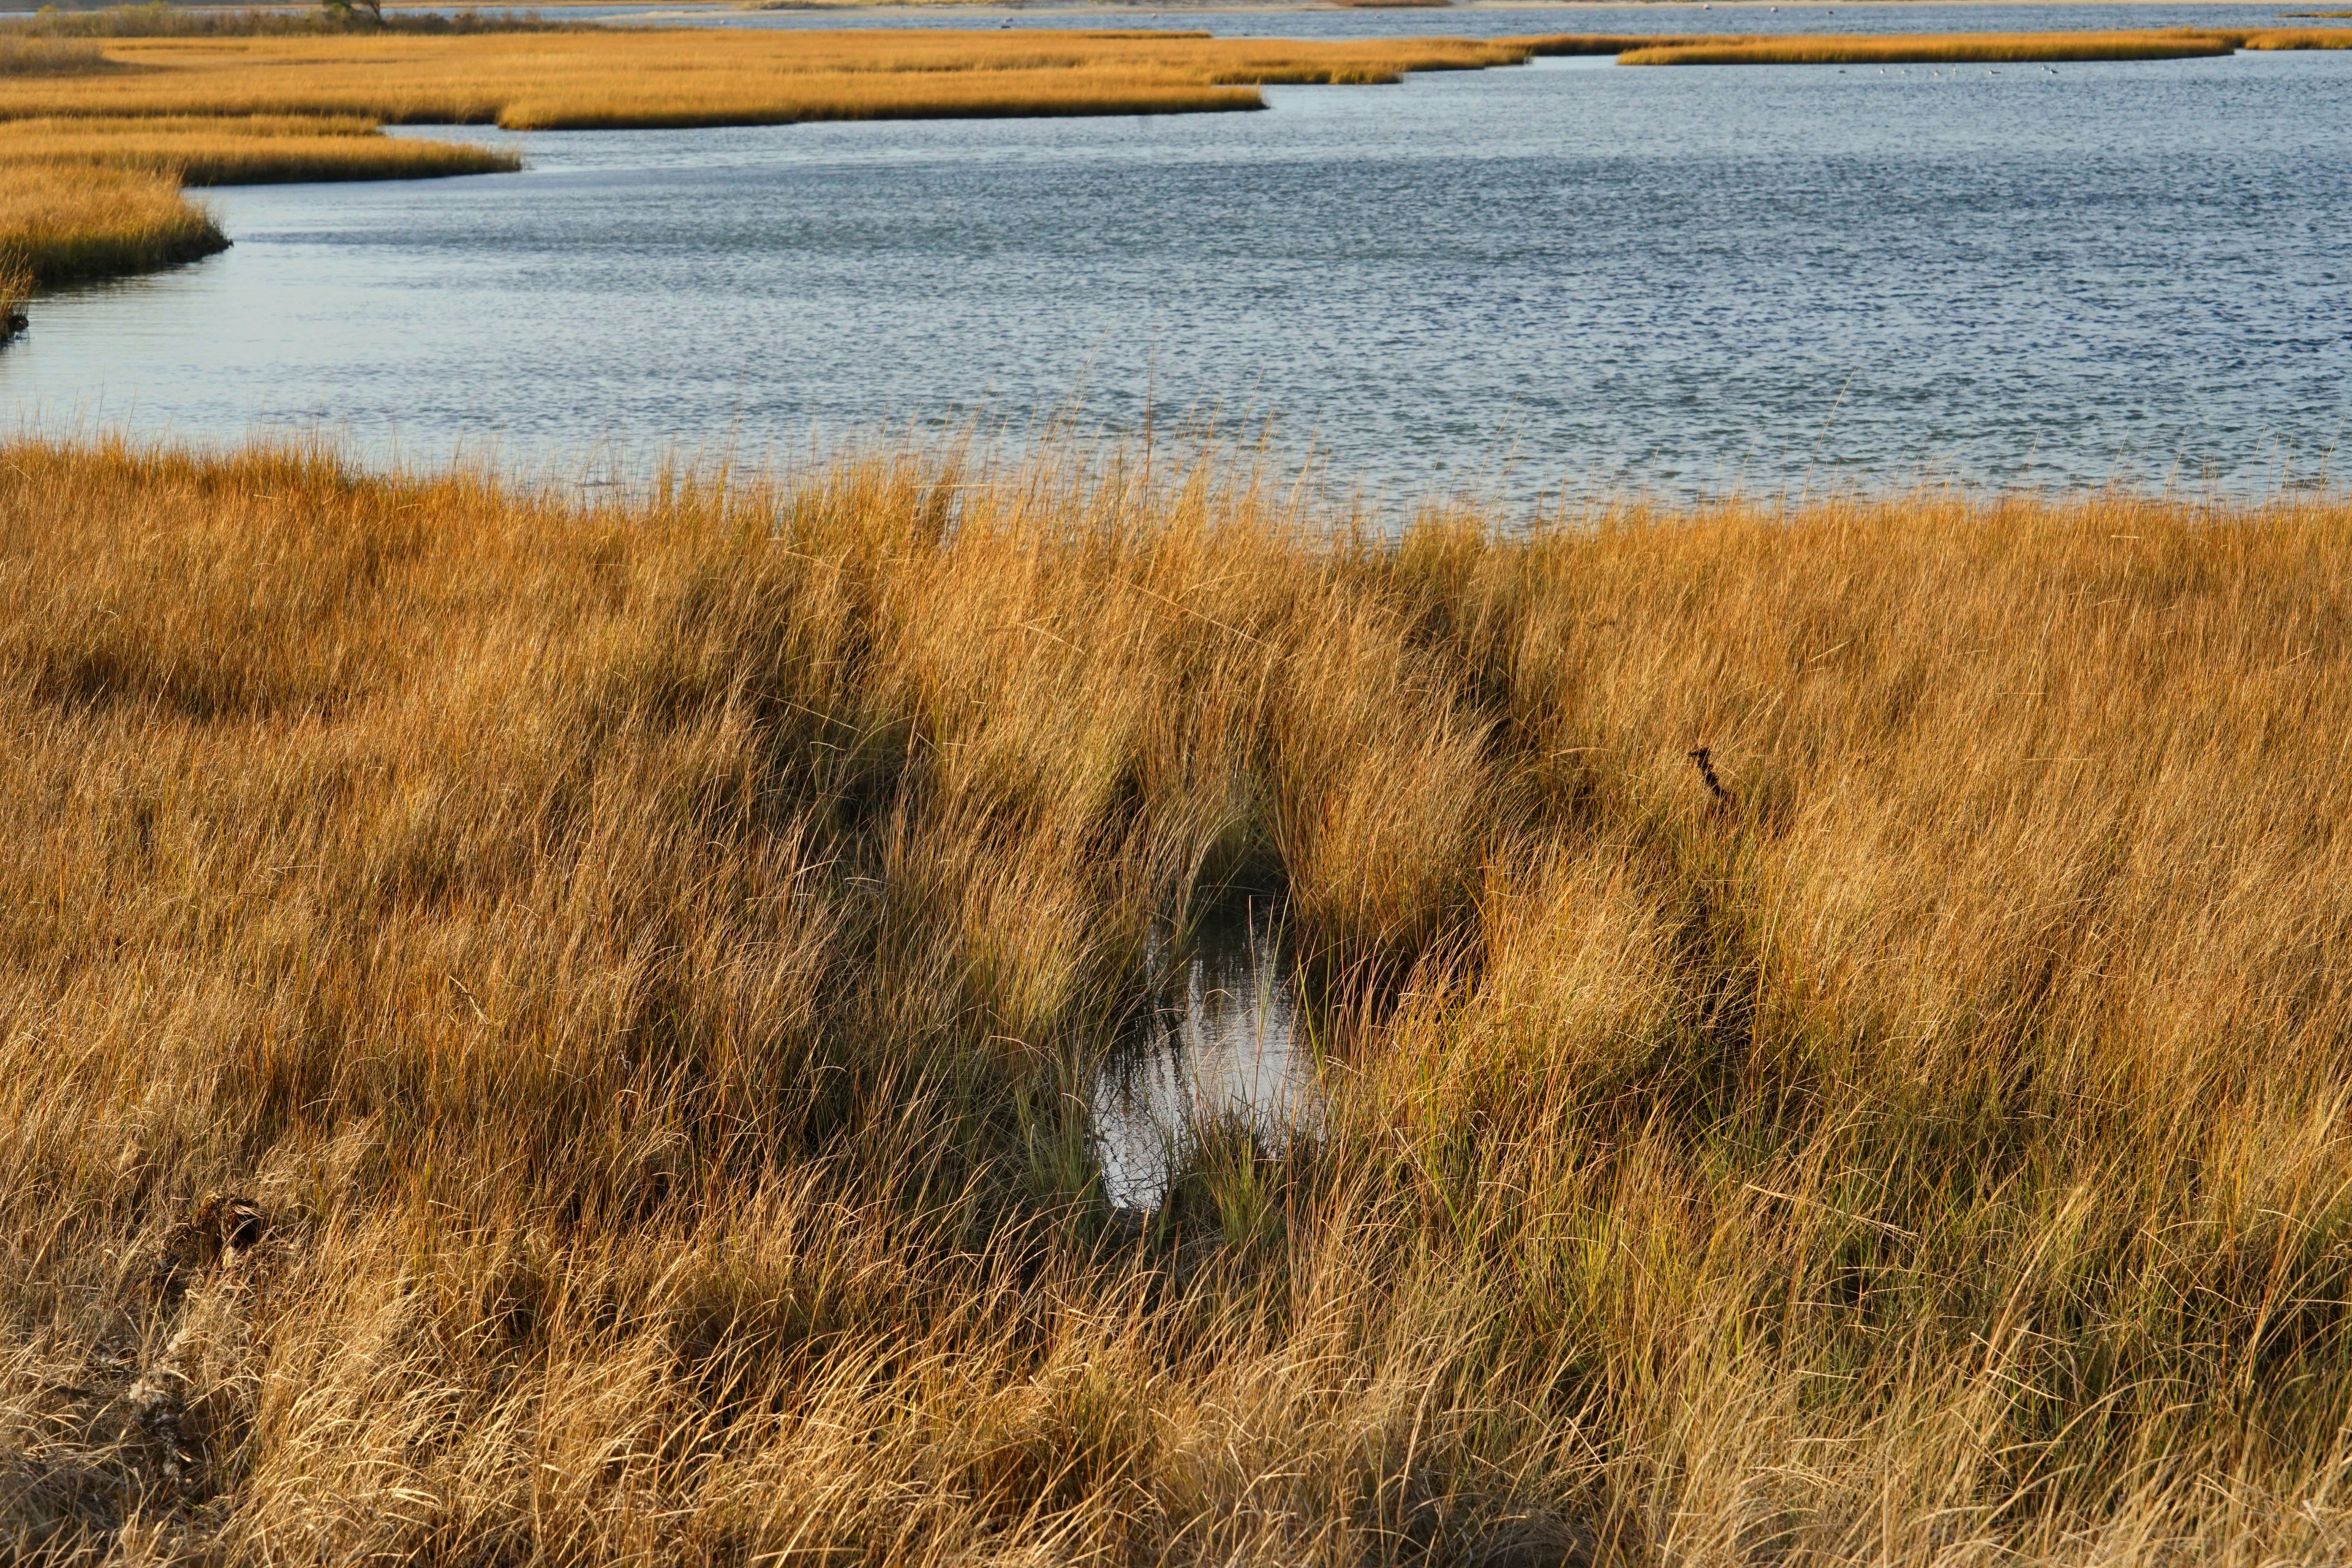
[{"x": 1566, "y": 275}]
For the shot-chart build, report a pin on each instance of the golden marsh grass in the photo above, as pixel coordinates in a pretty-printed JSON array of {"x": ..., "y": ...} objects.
[
  {"x": 98, "y": 198},
  {"x": 64, "y": 222},
  {"x": 240, "y": 99},
  {"x": 16, "y": 287},
  {"x": 31, "y": 57},
  {"x": 200, "y": 151},
  {"x": 1977, "y": 49},
  {"x": 250, "y": 72},
  {"x": 588, "y": 80},
  {"x": 157, "y": 19},
  {"x": 544, "y": 1032},
  {"x": 2295, "y": 39}
]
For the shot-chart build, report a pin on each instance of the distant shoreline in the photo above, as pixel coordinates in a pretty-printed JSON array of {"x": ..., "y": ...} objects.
[
  {"x": 1081, "y": 7},
  {"x": 1260, "y": 7},
  {"x": 1215, "y": 8},
  {"x": 1211, "y": 7}
]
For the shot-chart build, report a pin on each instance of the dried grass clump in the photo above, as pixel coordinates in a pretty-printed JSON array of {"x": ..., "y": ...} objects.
[{"x": 542, "y": 1031}]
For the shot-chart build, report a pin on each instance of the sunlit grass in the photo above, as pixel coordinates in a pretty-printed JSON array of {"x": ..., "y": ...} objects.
[
  {"x": 1932, "y": 47},
  {"x": 633, "y": 960},
  {"x": 251, "y": 71},
  {"x": 1563, "y": 45},
  {"x": 692, "y": 77},
  {"x": 1987, "y": 48},
  {"x": 159, "y": 20},
  {"x": 248, "y": 100},
  {"x": 2296, "y": 37},
  {"x": 61, "y": 222},
  {"x": 33, "y": 56},
  {"x": 16, "y": 287},
  {"x": 200, "y": 151},
  {"x": 546, "y": 1030},
  {"x": 98, "y": 198}
]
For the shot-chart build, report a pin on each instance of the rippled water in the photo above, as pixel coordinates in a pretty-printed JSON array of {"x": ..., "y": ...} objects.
[
  {"x": 1224, "y": 1047},
  {"x": 1568, "y": 275}
]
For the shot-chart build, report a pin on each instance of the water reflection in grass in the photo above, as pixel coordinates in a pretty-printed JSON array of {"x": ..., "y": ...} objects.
[{"x": 1223, "y": 1048}]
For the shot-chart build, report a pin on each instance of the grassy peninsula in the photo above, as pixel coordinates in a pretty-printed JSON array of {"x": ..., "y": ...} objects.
[
  {"x": 59, "y": 223},
  {"x": 550, "y": 1032}
]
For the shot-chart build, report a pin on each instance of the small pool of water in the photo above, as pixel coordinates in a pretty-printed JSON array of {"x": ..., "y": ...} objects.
[{"x": 1223, "y": 1044}]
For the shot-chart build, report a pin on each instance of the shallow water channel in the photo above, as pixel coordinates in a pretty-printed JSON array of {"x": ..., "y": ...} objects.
[
  {"x": 1570, "y": 277},
  {"x": 1223, "y": 1045}
]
